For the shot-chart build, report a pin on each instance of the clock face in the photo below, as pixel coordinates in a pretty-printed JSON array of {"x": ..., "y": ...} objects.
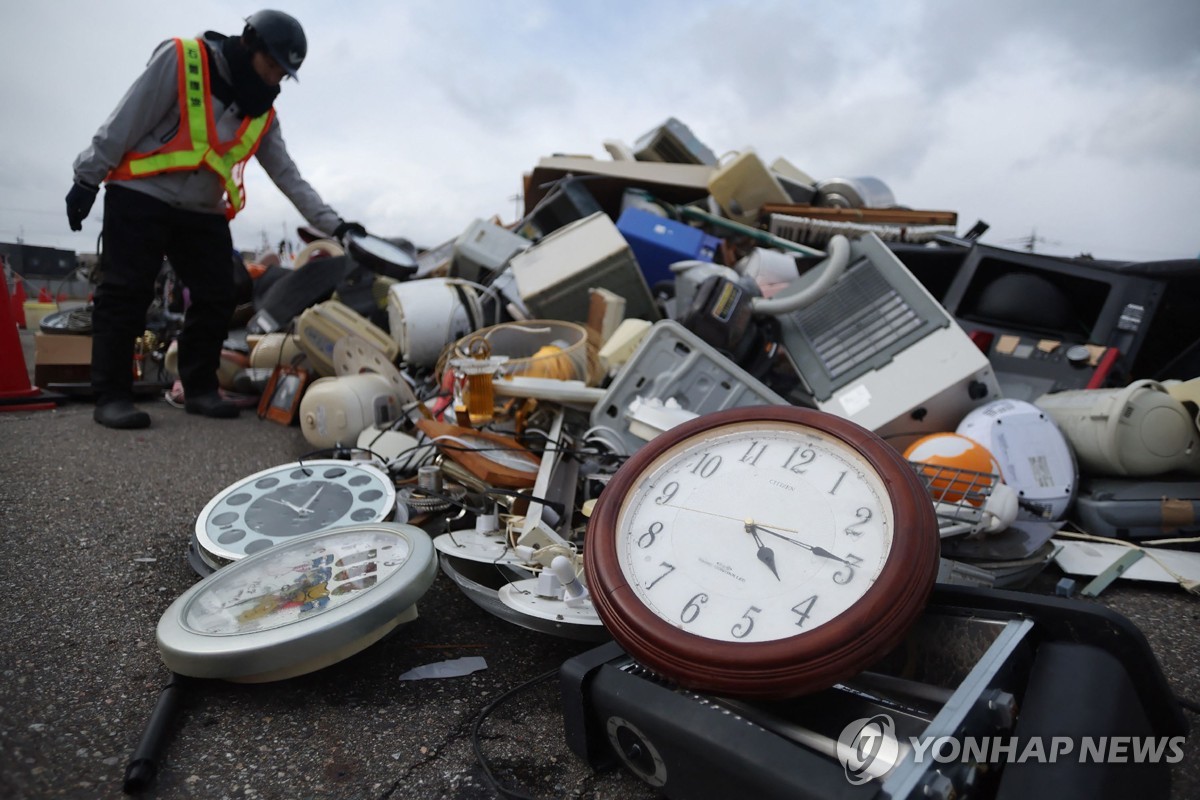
[
  {"x": 291, "y": 500},
  {"x": 295, "y": 583},
  {"x": 302, "y": 507},
  {"x": 763, "y": 551},
  {"x": 757, "y": 533},
  {"x": 302, "y": 605}
]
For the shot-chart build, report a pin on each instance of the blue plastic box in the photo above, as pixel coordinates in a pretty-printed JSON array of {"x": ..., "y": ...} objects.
[{"x": 657, "y": 243}]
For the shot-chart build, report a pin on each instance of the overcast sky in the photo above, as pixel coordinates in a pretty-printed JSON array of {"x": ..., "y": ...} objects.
[{"x": 1075, "y": 122}]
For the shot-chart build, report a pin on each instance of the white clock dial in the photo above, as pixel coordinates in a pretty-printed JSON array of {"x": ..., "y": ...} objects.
[
  {"x": 758, "y": 533},
  {"x": 765, "y": 551}
]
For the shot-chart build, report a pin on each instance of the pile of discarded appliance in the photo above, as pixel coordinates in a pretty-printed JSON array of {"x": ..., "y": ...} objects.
[
  {"x": 501, "y": 380},
  {"x": 643, "y": 291}
]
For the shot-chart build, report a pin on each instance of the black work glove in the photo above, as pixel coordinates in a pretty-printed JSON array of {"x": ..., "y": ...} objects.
[
  {"x": 79, "y": 203},
  {"x": 348, "y": 227}
]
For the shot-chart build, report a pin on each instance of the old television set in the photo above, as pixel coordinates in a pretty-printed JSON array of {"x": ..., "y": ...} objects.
[{"x": 569, "y": 201}]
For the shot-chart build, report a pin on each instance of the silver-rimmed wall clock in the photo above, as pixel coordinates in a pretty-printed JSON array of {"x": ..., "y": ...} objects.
[
  {"x": 290, "y": 500},
  {"x": 299, "y": 606},
  {"x": 766, "y": 551}
]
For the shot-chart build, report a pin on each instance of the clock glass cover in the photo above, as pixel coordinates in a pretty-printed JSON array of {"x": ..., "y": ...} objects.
[
  {"x": 291, "y": 500},
  {"x": 299, "y": 606},
  {"x": 724, "y": 558},
  {"x": 749, "y": 548}
]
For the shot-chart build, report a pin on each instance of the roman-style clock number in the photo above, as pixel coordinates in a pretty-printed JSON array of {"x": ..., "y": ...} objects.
[
  {"x": 647, "y": 538},
  {"x": 753, "y": 453},
  {"x": 763, "y": 551},
  {"x": 707, "y": 466},
  {"x": 846, "y": 573},
  {"x": 863, "y": 516},
  {"x": 803, "y": 609},
  {"x": 669, "y": 569},
  {"x": 800, "y": 458},
  {"x": 741, "y": 629}
]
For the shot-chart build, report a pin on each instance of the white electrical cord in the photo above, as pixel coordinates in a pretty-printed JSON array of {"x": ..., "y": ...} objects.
[{"x": 832, "y": 268}]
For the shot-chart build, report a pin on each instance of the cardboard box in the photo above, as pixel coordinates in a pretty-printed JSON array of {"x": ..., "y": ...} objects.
[{"x": 61, "y": 358}]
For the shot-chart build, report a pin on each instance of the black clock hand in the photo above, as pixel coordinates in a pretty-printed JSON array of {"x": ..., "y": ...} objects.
[
  {"x": 765, "y": 554},
  {"x": 814, "y": 549}
]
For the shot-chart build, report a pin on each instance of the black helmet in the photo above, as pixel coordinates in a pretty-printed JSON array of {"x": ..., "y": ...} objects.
[{"x": 280, "y": 36}]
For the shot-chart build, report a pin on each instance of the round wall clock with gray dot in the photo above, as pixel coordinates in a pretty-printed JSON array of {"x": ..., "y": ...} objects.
[{"x": 290, "y": 500}]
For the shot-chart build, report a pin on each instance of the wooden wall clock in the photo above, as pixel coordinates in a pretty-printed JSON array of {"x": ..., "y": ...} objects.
[{"x": 768, "y": 551}]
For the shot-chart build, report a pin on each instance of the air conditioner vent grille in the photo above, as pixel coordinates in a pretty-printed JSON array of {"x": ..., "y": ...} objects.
[{"x": 861, "y": 317}]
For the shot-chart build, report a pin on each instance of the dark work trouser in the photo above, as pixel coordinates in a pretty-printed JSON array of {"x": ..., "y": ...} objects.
[{"x": 138, "y": 231}]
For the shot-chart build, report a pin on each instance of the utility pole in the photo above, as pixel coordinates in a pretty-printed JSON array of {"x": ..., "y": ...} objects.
[{"x": 1029, "y": 243}]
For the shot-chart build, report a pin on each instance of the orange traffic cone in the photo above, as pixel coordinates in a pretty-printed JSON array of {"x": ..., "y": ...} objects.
[
  {"x": 44, "y": 295},
  {"x": 18, "y": 302},
  {"x": 16, "y": 393}
]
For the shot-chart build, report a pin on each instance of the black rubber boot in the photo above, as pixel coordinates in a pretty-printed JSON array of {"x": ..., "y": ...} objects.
[
  {"x": 210, "y": 404},
  {"x": 120, "y": 414}
]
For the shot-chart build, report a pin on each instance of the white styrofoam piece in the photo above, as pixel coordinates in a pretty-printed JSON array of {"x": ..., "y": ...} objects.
[{"x": 1092, "y": 558}]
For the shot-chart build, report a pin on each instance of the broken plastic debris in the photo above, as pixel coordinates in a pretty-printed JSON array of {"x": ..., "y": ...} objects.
[
  {"x": 649, "y": 416},
  {"x": 454, "y": 668}
]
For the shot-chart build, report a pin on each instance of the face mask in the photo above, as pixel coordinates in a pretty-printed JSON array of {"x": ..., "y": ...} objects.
[{"x": 251, "y": 93}]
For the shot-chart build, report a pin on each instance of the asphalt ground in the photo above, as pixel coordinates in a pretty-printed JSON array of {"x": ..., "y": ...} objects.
[{"x": 95, "y": 525}]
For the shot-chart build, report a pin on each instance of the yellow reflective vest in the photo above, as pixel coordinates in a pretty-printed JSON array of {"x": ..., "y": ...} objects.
[{"x": 196, "y": 144}]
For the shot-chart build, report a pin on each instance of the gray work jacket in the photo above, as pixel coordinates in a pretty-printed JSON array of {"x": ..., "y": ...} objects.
[{"x": 148, "y": 116}]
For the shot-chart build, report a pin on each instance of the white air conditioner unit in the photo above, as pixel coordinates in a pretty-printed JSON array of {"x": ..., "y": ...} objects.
[{"x": 876, "y": 348}]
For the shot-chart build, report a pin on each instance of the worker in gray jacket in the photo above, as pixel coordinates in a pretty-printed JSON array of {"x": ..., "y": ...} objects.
[{"x": 171, "y": 156}]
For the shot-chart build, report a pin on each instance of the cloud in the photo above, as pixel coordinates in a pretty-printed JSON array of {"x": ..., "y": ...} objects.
[
  {"x": 1156, "y": 126},
  {"x": 418, "y": 117},
  {"x": 959, "y": 40}
]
